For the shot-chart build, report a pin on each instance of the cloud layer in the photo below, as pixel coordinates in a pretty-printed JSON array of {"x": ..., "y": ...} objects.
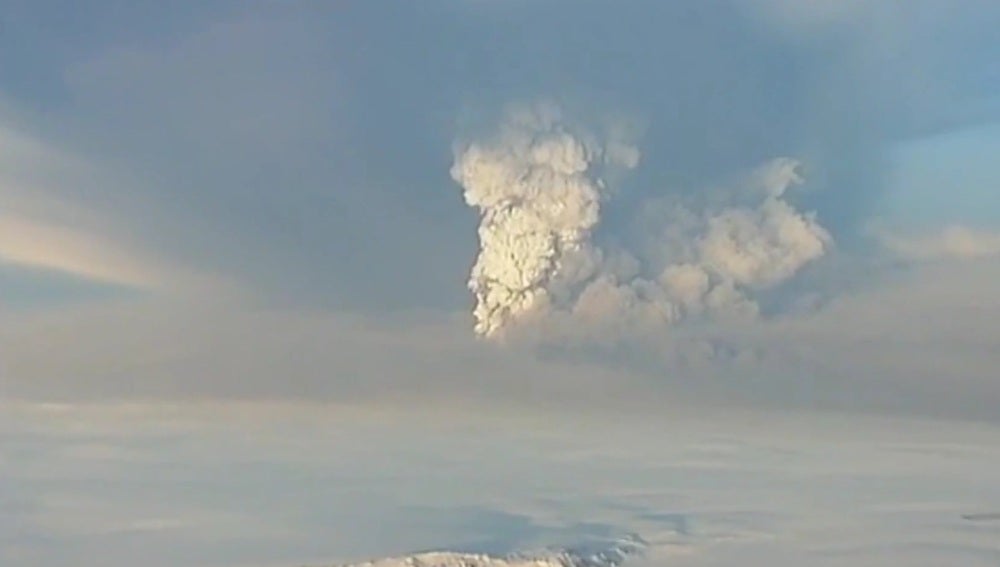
[
  {"x": 220, "y": 485},
  {"x": 953, "y": 242}
]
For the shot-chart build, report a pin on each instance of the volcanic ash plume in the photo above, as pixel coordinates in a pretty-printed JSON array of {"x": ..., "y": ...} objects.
[
  {"x": 539, "y": 187},
  {"x": 539, "y": 194},
  {"x": 762, "y": 246}
]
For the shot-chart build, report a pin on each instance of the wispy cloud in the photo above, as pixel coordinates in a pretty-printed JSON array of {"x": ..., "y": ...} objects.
[
  {"x": 63, "y": 249},
  {"x": 55, "y": 216},
  {"x": 952, "y": 242}
]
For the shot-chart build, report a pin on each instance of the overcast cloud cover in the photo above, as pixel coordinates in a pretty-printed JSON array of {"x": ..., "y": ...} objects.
[{"x": 526, "y": 208}]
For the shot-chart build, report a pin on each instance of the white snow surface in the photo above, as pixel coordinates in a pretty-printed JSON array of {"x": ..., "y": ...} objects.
[
  {"x": 611, "y": 555},
  {"x": 289, "y": 487}
]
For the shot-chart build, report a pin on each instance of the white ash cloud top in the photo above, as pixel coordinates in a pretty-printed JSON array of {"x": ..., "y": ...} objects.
[{"x": 539, "y": 186}]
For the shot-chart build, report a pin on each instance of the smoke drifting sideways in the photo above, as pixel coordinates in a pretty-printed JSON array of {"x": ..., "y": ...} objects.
[{"x": 539, "y": 185}]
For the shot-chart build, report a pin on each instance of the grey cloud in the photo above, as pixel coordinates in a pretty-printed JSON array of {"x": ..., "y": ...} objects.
[
  {"x": 922, "y": 344},
  {"x": 305, "y": 152},
  {"x": 291, "y": 144}
]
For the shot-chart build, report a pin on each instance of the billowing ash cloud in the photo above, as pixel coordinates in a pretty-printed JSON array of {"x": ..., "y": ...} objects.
[
  {"x": 539, "y": 191},
  {"x": 539, "y": 186}
]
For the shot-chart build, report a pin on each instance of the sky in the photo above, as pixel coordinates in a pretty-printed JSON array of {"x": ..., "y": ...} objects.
[{"x": 489, "y": 207}]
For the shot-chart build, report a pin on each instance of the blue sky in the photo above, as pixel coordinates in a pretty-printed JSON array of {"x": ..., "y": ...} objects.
[{"x": 948, "y": 178}]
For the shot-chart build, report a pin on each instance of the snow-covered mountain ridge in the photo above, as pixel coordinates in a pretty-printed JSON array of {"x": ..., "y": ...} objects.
[{"x": 611, "y": 555}]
